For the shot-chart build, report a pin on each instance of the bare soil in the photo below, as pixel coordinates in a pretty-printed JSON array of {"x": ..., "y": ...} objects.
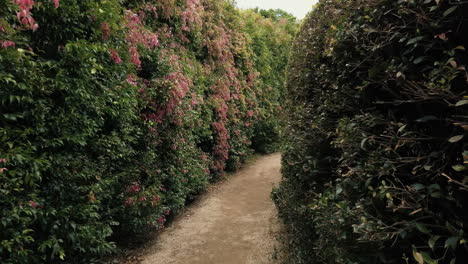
[{"x": 235, "y": 223}]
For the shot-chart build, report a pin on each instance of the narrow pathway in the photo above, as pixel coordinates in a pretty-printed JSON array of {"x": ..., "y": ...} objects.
[{"x": 233, "y": 224}]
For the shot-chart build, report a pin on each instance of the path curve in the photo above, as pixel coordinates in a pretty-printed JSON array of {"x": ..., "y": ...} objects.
[{"x": 233, "y": 224}]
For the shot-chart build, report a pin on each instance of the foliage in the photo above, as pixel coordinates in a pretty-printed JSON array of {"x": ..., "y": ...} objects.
[
  {"x": 374, "y": 167},
  {"x": 114, "y": 115},
  {"x": 271, "y": 33}
]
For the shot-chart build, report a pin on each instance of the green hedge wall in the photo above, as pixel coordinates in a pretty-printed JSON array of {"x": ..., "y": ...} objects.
[
  {"x": 114, "y": 115},
  {"x": 271, "y": 33},
  {"x": 375, "y": 160}
]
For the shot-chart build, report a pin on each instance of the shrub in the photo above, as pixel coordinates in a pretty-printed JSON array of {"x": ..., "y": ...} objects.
[
  {"x": 374, "y": 163},
  {"x": 114, "y": 115},
  {"x": 270, "y": 33}
]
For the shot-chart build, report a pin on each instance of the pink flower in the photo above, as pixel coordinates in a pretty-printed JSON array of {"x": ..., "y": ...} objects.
[
  {"x": 7, "y": 43},
  {"x": 24, "y": 4},
  {"x": 143, "y": 199},
  {"x": 56, "y": 2},
  {"x": 131, "y": 80},
  {"x": 154, "y": 42},
  {"x": 134, "y": 188},
  {"x": 3, "y": 160},
  {"x": 106, "y": 31},
  {"x": 442, "y": 36},
  {"x": 155, "y": 200},
  {"x": 167, "y": 212},
  {"x": 135, "y": 56},
  {"x": 3, "y": 169},
  {"x": 33, "y": 204},
  {"x": 129, "y": 202},
  {"x": 24, "y": 16},
  {"x": 161, "y": 220},
  {"x": 115, "y": 56},
  {"x": 250, "y": 113}
]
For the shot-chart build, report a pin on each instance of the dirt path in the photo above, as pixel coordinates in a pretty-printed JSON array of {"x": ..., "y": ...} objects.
[{"x": 233, "y": 224}]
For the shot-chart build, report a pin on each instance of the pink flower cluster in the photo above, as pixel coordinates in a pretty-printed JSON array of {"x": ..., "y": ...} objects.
[
  {"x": 115, "y": 57},
  {"x": 106, "y": 31},
  {"x": 24, "y": 15},
  {"x": 138, "y": 35},
  {"x": 130, "y": 201},
  {"x": 180, "y": 87},
  {"x": 221, "y": 149},
  {"x": 219, "y": 45},
  {"x": 133, "y": 188},
  {"x": 192, "y": 15},
  {"x": 131, "y": 80},
  {"x": 135, "y": 56},
  {"x": 155, "y": 200}
]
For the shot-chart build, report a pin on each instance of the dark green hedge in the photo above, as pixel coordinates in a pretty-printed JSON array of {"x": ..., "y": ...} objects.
[{"x": 374, "y": 167}]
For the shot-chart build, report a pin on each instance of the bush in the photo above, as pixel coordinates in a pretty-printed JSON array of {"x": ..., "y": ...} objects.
[
  {"x": 113, "y": 116},
  {"x": 271, "y": 33},
  {"x": 374, "y": 162}
]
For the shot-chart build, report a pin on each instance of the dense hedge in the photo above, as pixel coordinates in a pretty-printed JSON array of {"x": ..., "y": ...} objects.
[
  {"x": 271, "y": 33},
  {"x": 114, "y": 114},
  {"x": 375, "y": 161}
]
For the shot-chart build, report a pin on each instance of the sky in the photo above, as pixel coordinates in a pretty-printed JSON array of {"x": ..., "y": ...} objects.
[{"x": 299, "y": 8}]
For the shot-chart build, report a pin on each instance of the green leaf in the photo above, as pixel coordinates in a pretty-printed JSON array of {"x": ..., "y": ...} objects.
[
  {"x": 451, "y": 242},
  {"x": 462, "y": 102},
  {"x": 419, "y": 60},
  {"x": 455, "y": 139},
  {"x": 339, "y": 189},
  {"x": 433, "y": 241},
  {"x": 418, "y": 186},
  {"x": 451, "y": 228},
  {"x": 422, "y": 228},
  {"x": 414, "y": 40},
  {"x": 450, "y": 10},
  {"x": 427, "y": 258},
  {"x": 459, "y": 168}
]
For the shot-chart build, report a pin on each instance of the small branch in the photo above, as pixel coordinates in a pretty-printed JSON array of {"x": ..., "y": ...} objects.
[{"x": 456, "y": 182}]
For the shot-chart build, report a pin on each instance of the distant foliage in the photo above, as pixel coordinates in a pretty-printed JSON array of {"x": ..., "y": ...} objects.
[
  {"x": 376, "y": 154},
  {"x": 271, "y": 33},
  {"x": 115, "y": 114}
]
